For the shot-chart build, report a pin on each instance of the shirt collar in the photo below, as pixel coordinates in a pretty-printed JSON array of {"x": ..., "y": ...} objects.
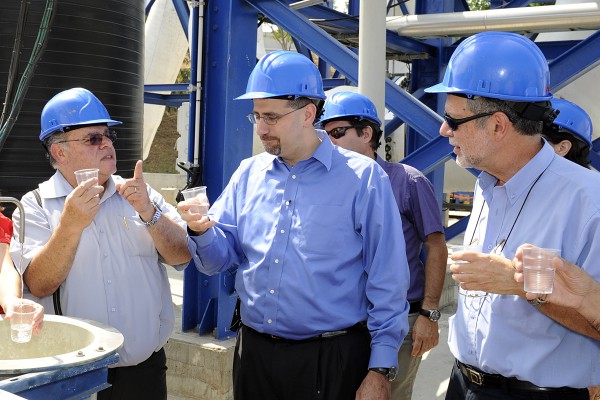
[
  {"x": 524, "y": 178},
  {"x": 323, "y": 152}
]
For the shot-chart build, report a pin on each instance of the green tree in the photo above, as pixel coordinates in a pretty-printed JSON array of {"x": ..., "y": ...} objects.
[{"x": 282, "y": 37}]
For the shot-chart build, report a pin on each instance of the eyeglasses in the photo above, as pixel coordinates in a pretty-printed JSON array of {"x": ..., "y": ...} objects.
[
  {"x": 453, "y": 123},
  {"x": 269, "y": 119},
  {"x": 95, "y": 138},
  {"x": 338, "y": 132}
]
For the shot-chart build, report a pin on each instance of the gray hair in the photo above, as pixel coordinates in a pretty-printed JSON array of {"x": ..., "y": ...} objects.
[
  {"x": 485, "y": 104},
  {"x": 48, "y": 142}
]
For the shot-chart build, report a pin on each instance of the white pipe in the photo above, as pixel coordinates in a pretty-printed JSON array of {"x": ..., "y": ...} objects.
[
  {"x": 199, "y": 71},
  {"x": 371, "y": 55},
  {"x": 519, "y": 20}
]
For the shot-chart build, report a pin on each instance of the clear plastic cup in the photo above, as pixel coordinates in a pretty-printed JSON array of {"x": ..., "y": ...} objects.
[
  {"x": 21, "y": 320},
  {"x": 84, "y": 174},
  {"x": 538, "y": 271},
  {"x": 460, "y": 248},
  {"x": 198, "y": 196}
]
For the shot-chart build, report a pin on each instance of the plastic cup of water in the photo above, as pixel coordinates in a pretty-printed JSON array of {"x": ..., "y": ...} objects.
[
  {"x": 457, "y": 249},
  {"x": 21, "y": 320},
  {"x": 538, "y": 271},
  {"x": 84, "y": 174},
  {"x": 460, "y": 248},
  {"x": 199, "y": 199}
]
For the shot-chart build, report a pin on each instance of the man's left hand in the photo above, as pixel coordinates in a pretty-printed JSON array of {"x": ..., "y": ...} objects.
[
  {"x": 134, "y": 190},
  {"x": 375, "y": 386}
]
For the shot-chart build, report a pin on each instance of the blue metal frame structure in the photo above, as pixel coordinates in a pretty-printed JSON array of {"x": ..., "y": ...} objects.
[
  {"x": 75, "y": 383},
  {"x": 230, "y": 54}
]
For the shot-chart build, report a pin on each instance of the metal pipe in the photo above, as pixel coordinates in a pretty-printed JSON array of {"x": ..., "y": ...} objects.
[
  {"x": 22, "y": 211},
  {"x": 371, "y": 57},
  {"x": 519, "y": 20},
  {"x": 306, "y": 3}
]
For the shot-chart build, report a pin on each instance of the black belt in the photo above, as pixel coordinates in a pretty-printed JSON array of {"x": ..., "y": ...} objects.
[
  {"x": 415, "y": 306},
  {"x": 325, "y": 335},
  {"x": 484, "y": 379}
]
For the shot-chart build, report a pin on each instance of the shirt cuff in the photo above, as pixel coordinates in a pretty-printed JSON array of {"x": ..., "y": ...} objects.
[{"x": 383, "y": 356}]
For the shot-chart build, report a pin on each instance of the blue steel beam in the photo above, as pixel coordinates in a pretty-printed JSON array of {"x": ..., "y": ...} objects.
[
  {"x": 170, "y": 100},
  {"x": 412, "y": 111},
  {"x": 183, "y": 12},
  {"x": 166, "y": 87},
  {"x": 431, "y": 155},
  {"x": 148, "y": 6},
  {"x": 457, "y": 228},
  {"x": 229, "y": 55},
  {"x": 575, "y": 62}
]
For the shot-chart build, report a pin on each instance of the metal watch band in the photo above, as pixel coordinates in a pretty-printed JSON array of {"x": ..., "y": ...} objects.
[{"x": 155, "y": 217}]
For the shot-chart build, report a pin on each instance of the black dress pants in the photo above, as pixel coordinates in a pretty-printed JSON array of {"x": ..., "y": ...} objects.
[
  {"x": 145, "y": 381},
  {"x": 318, "y": 369}
]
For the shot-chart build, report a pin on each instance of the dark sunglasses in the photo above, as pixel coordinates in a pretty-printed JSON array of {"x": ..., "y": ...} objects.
[
  {"x": 338, "y": 132},
  {"x": 454, "y": 123},
  {"x": 95, "y": 139}
]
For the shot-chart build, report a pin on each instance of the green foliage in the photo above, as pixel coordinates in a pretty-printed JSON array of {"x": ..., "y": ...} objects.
[
  {"x": 477, "y": 5},
  {"x": 282, "y": 37}
]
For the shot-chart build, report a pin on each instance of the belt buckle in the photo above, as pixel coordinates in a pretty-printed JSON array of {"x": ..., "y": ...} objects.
[{"x": 475, "y": 377}]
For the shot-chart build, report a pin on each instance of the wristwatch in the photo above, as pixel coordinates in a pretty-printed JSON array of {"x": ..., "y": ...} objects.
[
  {"x": 433, "y": 315},
  {"x": 155, "y": 218},
  {"x": 389, "y": 373}
]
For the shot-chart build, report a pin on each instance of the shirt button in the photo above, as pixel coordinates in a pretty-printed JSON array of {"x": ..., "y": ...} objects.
[
  {"x": 270, "y": 321},
  {"x": 109, "y": 281},
  {"x": 277, "y": 261},
  {"x": 293, "y": 176},
  {"x": 489, "y": 247},
  {"x": 282, "y": 231},
  {"x": 105, "y": 255},
  {"x": 272, "y": 291},
  {"x": 113, "y": 309},
  {"x": 287, "y": 203}
]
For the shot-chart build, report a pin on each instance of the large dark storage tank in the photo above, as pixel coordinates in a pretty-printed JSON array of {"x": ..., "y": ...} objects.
[{"x": 93, "y": 44}]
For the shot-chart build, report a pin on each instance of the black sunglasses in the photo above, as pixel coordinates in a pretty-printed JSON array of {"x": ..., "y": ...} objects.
[
  {"x": 453, "y": 123},
  {"x": 95, "y": 139},
  {"x": 338, "y": 132}
]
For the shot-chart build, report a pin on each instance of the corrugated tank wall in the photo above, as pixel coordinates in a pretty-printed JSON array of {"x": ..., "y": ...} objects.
[{"x": 93, "y": 44}]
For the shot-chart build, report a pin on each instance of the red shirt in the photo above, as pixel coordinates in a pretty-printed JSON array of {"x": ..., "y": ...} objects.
[{"x": 6, "y": 229}]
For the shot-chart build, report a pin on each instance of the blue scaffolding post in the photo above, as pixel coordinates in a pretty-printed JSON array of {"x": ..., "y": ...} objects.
[{"x": 229, "y": 54}]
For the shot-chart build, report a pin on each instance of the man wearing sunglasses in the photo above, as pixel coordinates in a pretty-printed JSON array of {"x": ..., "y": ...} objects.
[
  {"x": 98, "y": 249},
  {"x": 498, "y": 100},
  {"x": 316, "y": 238},
  {"x": 351, "y": 121}
]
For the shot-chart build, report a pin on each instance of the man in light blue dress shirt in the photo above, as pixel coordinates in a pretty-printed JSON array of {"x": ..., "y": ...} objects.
[
  {"x": 316, "y": 237},
  {"x": 506, "y": 347}
]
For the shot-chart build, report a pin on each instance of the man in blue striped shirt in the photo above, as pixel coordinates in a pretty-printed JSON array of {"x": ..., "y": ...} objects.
[{"x": 316, "y": 237}]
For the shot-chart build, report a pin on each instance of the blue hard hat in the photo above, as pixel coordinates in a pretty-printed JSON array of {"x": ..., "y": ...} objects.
[
  {"x": 284, "y": 73},
  {"x": 573, "y": 119},
  {"x": 498, "y": 65},
  {"x": 71, "y": 108},
  {"x": 349, "y": 104}
]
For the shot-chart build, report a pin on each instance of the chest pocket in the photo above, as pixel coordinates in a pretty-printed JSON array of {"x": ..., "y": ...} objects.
[
  {"x": 315, "y": 226},
  {"x": 135, "y": 237}
]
